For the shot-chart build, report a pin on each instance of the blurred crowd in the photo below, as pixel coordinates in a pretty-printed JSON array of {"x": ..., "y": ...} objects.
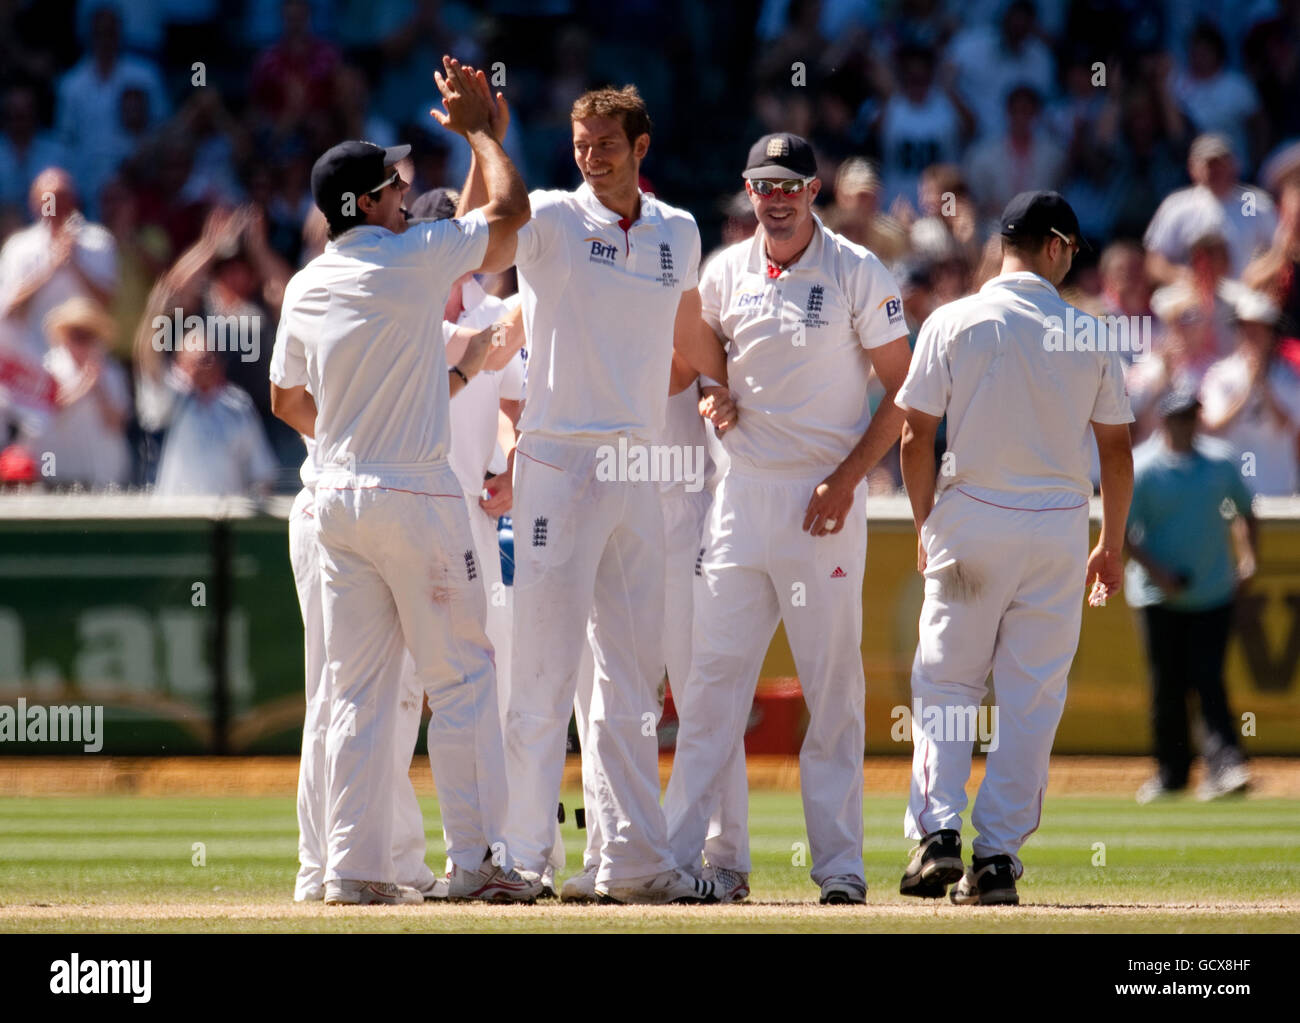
[{"x": 155, "y": 159}]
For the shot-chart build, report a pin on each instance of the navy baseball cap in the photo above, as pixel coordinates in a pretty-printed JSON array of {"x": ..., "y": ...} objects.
[
  {"x": 351, "y": 168},
  {"x": 781, "y": 155},
  {"x": 1039, "y": 214}
]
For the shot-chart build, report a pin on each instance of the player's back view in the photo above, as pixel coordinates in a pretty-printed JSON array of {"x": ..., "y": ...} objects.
[{"x": 1004, "y": 549}]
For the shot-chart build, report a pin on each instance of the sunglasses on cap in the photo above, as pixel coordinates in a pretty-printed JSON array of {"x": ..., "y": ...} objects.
[
  {"x": 792, "y": 186},
  {"x": 1065, "y": 238},
  {"x": 395, "y": 181}
]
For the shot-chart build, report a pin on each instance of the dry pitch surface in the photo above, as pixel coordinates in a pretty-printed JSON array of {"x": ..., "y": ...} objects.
[{"x": 107, "y": 863}]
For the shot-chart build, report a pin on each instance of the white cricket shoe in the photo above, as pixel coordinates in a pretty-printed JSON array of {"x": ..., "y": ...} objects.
[
  {"x": 732, "y": 885},
  {"x": 369, "y": 893},
  {"x": 843, "y": 890},
  {"x": 436, "y": 889},
  {"x": 492, "y": 884},
  {"x": 658, "y": 889},
  {"x": 580, "y": 887}
]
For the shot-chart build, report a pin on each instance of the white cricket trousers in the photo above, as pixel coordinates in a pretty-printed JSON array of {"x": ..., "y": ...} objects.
[
  {"x": 399, "y": 569},
  {"x": 499, "y": 596},
  {"x": 1004, "y": 590},
  {"x": 408, "y": 841},
  {"x": 727, "y": 844},
  {"x": 759, "y": 567},
  {"x": 586, "y": 548}
]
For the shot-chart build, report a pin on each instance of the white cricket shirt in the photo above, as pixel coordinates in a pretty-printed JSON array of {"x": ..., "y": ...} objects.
[
  {"x": 476, "y": 408},
  {"x": 361, "y": 327},
  {"x": 1018, "y": 414},
  {"x": 600, "y": 297},
  {"x": 796, "y": 348}
]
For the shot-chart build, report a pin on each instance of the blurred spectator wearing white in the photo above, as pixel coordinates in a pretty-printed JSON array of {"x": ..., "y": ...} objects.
[
  {"x": 86, "y": 435},
  {"x": 1215, "y": 203},
  {"x": 25, "y": 151},
  {"x": 919, "y": 125},
  {"x": 1021, "y": 159},
  {"x": 1217, "y": 99},
  {"x": 1183, "y": 353},
  {"x": 1125, "y": 290},
  {"x": 1206, "y": 280},
  {"x": 59, "y": 257},
  {"x": 988, "y": 61},
  {"x": 214, "y": 443},
  {"x": 89, "y": 119},
  {"x": 1251, "y": 399}
]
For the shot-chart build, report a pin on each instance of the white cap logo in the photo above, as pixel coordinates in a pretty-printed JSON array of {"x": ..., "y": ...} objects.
[{"x": 778, "y": 147}]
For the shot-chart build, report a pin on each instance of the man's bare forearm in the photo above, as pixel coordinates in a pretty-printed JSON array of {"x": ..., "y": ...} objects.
[
  {"x": 504, "y": 187},
  {"x": 1116, "y": 496},
  {"x": 879, "y": 437},
  {"x": 474, "y": 193},
  {"x": 916, "y": 457}
]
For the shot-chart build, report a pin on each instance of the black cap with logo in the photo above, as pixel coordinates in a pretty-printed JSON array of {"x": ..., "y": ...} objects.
[
  {"x": 1039, "y": 214},
  {"x": 782, "y": 155},
  {"x": 351, "y": 169}
]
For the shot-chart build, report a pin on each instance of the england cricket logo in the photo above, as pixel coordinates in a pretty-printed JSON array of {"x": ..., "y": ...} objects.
[
  {"x": 666, "y": 275},
  {"x": 539, "y": 531},
  {"x": 471, "y": 570},
  {"x": 812, "y": 316}
]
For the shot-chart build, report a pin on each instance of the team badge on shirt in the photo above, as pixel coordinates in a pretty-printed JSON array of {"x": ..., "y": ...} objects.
[
  {"x": 893, "y": 307},
  {"x": 666, "y": 276},
  {"x": 812, "y": 316}
]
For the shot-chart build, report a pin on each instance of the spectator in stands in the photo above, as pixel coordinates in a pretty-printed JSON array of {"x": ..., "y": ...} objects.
[
  {"x": 856, "y": 212},
  {"x": 1183, "y": 576},
  {"x": 293, "y": 81},
  {"x": 1125, "y": 290},
  {"x": 1182, "y": 354},
  {"x": 1020, "y": 159},
  {"x": 25, "y": 151},
  {"x": 1251, "y": 399},
  {"x": 90, "y": 103},
  {"x": 919, "y": 125},
  {"x": 59, "y": 256},
  {"x": 214, "y": 443},
  {"x": 1277, "y": 271},
  {"x": 86, "y": 439},
  {"x": 1215, "y": 203},
  {"x": 1217, "y": 99},
  {"x": 231, "y": 275},
  {"x": 987, "y": 62}
]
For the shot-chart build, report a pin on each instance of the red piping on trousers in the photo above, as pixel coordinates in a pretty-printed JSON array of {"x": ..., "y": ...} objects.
[
  {"x": 538, "y": 460},
  {"x": 395, "y": 490},
  {"x": 1007, "y": 507}
]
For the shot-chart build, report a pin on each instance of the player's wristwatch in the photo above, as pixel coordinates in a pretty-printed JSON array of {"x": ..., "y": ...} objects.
[{"x": 459, "y": 372}]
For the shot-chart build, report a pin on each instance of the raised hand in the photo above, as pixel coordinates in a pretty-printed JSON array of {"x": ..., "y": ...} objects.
[{"x": 468, "y": 104}]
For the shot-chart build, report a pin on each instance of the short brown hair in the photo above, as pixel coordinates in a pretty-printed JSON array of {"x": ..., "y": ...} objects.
[{"x": 626, "y": 104}]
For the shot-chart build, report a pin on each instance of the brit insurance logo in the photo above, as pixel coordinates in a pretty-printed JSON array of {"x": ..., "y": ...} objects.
[
  {"x": 812, "y": 314},
  {"x": 893, "y": 307},
  {"x": 603, "y": 252}
]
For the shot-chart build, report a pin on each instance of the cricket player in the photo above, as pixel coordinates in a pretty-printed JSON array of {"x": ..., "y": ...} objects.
[
  {"x": 369, "y": 382},
  {"x": 1004, "y": 549},
  {"x": 607, "y": 273},
  {"x": 804, "y": 315},
  {"x": 685, "y": 504},
  {"x": 408, "y": 839}
]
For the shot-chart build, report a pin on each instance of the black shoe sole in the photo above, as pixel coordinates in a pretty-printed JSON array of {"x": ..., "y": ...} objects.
[
  {"x": 997, "y": 897},
  {"x": 933, "y": 880}
]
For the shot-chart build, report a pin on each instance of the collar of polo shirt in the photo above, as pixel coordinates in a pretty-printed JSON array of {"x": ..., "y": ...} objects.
[
  {"x": 603, "y": 214},
  {"x": 811, "y": 257},
  {"x": 1019, "y": 277}
]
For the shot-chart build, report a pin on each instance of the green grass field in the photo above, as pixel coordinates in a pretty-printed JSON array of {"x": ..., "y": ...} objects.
[{"x": 126, "y": 863}]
